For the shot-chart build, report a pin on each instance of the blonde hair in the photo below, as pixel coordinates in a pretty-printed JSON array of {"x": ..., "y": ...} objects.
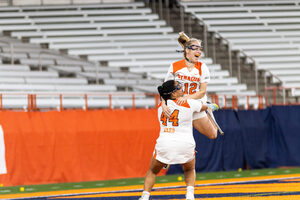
[{"x": 185, "y": 41}]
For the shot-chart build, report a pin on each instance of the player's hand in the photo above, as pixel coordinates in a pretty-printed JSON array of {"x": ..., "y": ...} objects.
[
  {"x": 182, "y": 100},
  {"x": 166, "y": 110}
]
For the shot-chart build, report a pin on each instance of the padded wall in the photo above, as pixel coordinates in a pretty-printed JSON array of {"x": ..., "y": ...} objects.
[
  {"x": 67, "y": 146},
  {"x": 266, "y": 138}
]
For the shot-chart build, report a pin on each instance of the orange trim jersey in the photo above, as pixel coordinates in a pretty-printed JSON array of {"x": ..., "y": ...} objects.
[
  {"x": 176, "y": 144},
  {"x": 190, "y": 80}
]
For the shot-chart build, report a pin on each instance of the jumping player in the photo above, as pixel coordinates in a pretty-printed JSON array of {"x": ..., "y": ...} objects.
[
  {"x": 175, "y": 144},
  {"x": 194, "y": 76}
]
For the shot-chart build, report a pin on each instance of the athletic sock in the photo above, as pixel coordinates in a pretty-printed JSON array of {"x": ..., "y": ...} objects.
[
  {"x": 190, "y": 193},
  {"x": 145, "y": 195}
]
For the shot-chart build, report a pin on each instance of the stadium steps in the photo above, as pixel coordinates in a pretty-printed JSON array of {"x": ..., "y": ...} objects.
[
  {"x": 259, "y": 29},
  {"x": 48, "y": 73},
  {"x": 98, "y": 35}
]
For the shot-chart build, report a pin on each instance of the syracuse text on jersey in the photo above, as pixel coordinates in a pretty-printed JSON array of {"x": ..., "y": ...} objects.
[{"x": 189, "y": 78}]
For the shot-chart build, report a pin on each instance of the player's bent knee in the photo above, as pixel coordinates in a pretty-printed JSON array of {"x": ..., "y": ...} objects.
[{"x": 214, "y": 135}]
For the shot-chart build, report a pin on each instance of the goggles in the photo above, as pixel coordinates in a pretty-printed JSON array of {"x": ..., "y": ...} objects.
[
  {"x": 194, "y": 47},
  {"x": 177, "y": 87}
]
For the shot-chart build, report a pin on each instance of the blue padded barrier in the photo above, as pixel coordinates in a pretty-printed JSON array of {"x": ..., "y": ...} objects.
[{"x": 255, "y": 138}]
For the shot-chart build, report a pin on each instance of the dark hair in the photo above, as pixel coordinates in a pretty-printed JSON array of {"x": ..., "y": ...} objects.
[{"x": 166, "y": 89}]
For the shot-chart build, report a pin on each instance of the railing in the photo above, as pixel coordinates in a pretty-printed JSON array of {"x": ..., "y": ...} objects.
[
  {"x": 227, "y": 42},
  {"x": 238, "y": 102},
  {"x": 130, "y": 100},
  {"x": 279, "y": 95},
  {"x": 118, "y": 100},
  {"x": 11, "y": 46},
  {"x": 60, "y": 101}
]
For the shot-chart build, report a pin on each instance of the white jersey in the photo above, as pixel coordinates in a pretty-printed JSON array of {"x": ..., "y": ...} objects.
[
  {"x": 176, "y": 144},
  {"x": 191, "y": 80}
]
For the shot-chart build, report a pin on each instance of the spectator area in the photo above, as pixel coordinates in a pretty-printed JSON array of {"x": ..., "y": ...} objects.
[
  {"x": 124, "y": 46},
  {"x": 265, "y": 30}
]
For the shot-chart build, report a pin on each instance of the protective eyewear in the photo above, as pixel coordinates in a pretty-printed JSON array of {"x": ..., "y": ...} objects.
[
  {"x": 177, "y": 87},
  {"x": 195, "y": 47}
]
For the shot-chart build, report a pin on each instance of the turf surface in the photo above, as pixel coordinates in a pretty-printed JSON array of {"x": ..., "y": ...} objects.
[{"x": 139, "y": 181}]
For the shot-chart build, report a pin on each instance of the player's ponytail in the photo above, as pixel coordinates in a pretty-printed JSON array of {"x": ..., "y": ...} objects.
[
  {"x": 183, "y": 39},
  {"x": 166, "y": 89}
]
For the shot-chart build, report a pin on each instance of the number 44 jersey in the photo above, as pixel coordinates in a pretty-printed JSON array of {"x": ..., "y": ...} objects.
[{"x": 176, "y": 144}]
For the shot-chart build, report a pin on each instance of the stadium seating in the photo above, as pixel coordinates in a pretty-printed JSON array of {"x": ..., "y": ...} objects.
[
  {"x": 265, "y": 30},
  {"x": 121, "y": 36},
  {"x": 59, "y": 74}
]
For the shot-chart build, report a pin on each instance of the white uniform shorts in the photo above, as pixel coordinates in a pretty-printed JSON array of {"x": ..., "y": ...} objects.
[
  {"x": 198, "y": 115},
  {"x": 171, "y": 152}
]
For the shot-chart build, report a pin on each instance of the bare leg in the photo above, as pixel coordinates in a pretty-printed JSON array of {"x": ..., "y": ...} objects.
[
  {"x": 189, "y": 173},
  {"x": 154, "y": 169},
  {"x": 206, "y": 127},
  {"x": 189, "y": 177}
]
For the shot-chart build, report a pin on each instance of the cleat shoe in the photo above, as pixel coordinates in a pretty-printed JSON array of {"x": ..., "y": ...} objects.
[
  {"x": 213, "y": 106},
  {"x": 145, "y": 196},
  {"x": 190, "y": 197}
]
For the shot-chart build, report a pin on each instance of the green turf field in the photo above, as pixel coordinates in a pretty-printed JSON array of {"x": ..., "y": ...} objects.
[{"x": 138, "y": 181}]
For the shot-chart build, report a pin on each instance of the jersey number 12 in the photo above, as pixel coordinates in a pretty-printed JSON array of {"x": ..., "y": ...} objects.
[{"x": 173, "y": 118}]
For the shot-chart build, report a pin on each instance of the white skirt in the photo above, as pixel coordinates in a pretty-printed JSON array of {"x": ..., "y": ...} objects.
[
  {"x": 198, "y": 115},
  {"x": 172, "y": 152}
]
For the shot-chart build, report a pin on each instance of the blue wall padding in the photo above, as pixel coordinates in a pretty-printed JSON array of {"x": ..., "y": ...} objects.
[{"x": 255, "y": 138}]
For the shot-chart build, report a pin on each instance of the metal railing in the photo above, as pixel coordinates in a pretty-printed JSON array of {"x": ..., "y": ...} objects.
[
  {"x": 216, "y": 35},
  {"x": 104, "y": 100},
  {"x": 84, "y": 101},
  {"x": 278, "y": 95},
  {"x": 238, "y": 102},
  {"x": 11, "y": 46}
]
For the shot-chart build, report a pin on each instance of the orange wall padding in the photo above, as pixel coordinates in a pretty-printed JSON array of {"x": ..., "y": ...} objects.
[{"x": 75, "y": 145}]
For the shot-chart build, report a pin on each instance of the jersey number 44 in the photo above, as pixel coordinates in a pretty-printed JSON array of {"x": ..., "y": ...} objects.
[{"x": 173, "y": 118}]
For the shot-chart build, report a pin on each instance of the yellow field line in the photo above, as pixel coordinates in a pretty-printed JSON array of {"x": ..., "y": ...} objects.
[
  {"x": 285, "y": 197},
  {"x": 254, "y": 188},
  {"x": 256, "y": 178}
]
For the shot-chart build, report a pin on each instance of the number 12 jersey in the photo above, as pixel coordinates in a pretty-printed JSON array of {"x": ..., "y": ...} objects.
[{"x": 191, "y": 80}]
